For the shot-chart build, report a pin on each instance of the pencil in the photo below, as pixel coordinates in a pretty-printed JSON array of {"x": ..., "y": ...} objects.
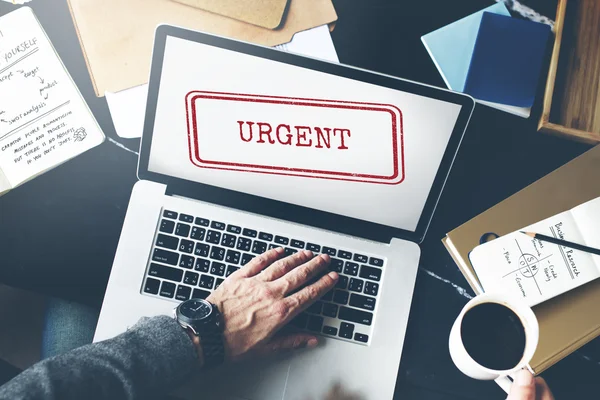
[{"x": 562, "y": 242}]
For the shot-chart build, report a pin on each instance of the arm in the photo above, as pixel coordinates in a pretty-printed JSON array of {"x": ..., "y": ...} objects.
[{"x": 157, "y": 355}]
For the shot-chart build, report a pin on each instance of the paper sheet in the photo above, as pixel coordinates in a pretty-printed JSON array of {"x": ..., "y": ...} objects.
[
  {"x": 127, "y": 107},
  {"x": 44, "y": 120}
]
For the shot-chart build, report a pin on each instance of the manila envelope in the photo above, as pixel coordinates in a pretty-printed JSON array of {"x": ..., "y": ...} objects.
[{"x": 117, "y": 35}]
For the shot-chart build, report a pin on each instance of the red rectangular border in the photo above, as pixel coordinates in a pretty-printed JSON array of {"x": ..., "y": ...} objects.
[{"x": 222, "y": 165}]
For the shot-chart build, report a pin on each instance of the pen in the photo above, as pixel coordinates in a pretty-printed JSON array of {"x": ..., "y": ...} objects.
[{"x": 562, "y": 242}]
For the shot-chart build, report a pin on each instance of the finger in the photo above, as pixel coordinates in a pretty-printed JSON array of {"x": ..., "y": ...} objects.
[
  {"x": 259, "y": 263},
  {"x": 523, "y": 387},
  {"x": 542, "y": 390},
  {"x": 285, "y": 265},
  {"x": 308, "y": 295},
  {"x": 289, "y": 342},
  {"x": 302, "y": 275}
]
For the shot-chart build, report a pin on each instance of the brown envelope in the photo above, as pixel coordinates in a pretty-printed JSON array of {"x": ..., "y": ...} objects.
[
  {"x": 265, "y": 13},
  {"x": 117, "y": 35}
]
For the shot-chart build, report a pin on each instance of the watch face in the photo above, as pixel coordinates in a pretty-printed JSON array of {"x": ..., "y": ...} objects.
[{"x": 195, "y": 309}]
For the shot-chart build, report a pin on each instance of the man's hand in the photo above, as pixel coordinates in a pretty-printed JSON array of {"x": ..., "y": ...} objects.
[
  {"x": 264, "y": 295},
  {"x": 525, "y": 387}
]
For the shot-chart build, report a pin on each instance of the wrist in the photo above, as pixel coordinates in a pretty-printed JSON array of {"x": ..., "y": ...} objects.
[{"x": 197, "y": 346}]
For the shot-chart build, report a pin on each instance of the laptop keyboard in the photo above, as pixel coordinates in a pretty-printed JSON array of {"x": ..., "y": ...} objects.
[{"x": 192, "y": 256}]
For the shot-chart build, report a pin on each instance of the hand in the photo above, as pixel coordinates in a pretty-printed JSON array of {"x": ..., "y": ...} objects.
[
  {"x": 260, "y": 298},
  {"x": 525, "y": 387}
]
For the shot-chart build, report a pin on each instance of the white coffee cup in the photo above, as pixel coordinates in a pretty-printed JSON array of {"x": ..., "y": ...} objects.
[{"x": 472, "y": 368}]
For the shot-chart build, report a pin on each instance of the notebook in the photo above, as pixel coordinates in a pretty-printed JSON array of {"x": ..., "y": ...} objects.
[
  {"x": 451, "y": 48},
  {"x": 46, "y": 122},
  {"x": 507, "y": 60},
  {"x": 534, "y": 270}
]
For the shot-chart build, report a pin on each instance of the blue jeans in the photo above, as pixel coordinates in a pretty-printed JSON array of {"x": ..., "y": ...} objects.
[{"x": 67, "y": 325}]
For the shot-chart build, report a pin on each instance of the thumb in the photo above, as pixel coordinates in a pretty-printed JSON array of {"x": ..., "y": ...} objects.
[
  {"x": 523, "y": 387},
  {"x": 289, "y": 342}
]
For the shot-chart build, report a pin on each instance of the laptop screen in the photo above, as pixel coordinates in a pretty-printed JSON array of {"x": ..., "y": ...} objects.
[{"x": 297, "y": 134}]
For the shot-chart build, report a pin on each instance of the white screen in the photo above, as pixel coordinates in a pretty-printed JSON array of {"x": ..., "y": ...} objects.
[{"x": 355, "y": 177}]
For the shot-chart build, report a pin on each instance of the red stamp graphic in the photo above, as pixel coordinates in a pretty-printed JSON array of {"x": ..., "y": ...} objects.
[{"x": 312, "y": 138}]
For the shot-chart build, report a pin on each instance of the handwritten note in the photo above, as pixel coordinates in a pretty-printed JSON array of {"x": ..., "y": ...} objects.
[{"x": 44, "y": 120}]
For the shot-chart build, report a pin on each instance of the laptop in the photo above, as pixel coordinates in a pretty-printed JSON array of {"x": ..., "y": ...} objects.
[{"x": 246, "y": 148}]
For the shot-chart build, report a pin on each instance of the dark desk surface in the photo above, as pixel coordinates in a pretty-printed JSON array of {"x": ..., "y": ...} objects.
[{"x": 59, "y": 232}]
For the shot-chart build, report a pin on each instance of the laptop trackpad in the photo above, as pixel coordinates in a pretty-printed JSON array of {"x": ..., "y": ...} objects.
[{"x": 252, "y": 380}]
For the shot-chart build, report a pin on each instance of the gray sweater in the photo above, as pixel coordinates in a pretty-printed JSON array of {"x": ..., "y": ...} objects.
[{"x": 150, "y": 359}]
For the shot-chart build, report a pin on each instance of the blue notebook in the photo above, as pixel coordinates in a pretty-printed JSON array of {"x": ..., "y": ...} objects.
[{"x": 507, "y": 60}]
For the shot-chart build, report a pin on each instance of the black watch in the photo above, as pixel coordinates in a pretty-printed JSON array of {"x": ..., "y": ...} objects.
[{"x": 204, "y": 320}]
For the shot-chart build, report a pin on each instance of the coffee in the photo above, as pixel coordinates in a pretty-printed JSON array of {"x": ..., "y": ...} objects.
[{"x": 494, "y": 336}]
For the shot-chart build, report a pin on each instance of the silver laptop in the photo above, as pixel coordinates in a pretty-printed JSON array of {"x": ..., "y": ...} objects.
[{"x": 246, "y": 148}]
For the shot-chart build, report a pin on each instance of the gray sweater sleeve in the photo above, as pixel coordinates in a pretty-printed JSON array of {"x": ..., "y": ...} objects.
[{"x": 150, "y": 359}]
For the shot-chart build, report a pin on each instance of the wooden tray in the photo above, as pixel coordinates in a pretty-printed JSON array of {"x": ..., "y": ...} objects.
[{"x": 572, "y": 97}]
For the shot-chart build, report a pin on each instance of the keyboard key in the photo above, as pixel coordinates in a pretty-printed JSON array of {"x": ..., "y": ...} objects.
[
  {"x": 300, "y": 321},
  {"x": 356, "y": 285},
  {"x": 371, "y": 288},
  {"x": 164, "y": 272},
  {"x": 315, "y": 308},
  {"x": 201, "y": 249},
  {"x": 151, "y": 285},
  {"x": 202, "y": 265},
  {"x": 217, "y": 253},
  {"x": 167, "y": 226},
  {"x": 344, "y": 254},
  {"x": 328, "y": 296},
  {"x": 364, "y": 302},
  {"x": 249, "y": 232},
  {"x": 190, "y": 278},
  {"x": 273, "y": 246},
  {"x": 330, "y": 310},
  {"x": 265, "y": 236},
  {"x": 353, "y": 315},
  {"x": 315, "y": 323},
  {"x": 182, "y": 229},
  {"x": 168, "y": 242},
  {"x": 342, "y": 282},
  {"x": 346, "y": 330},
  {"x": 359, "y": 337},
  {"x": 186, "y": 246},
  {"x": 217, "y": 268},
  {"x": 230, "y": 270},
  {"x": 186, "y": 218},
  {"x": 218, "y": 283},
  {"x": 289, "y": 251},
  {"x": 246, "y": 258},
  {"x": 206, "y": 281},
  {"x": 201, "y": 221},
  {"x": 370, "y": 273},
  {"x": 200, "y": 294},
  {"x": 217, "y": 225},
  {"x": 232, "y": 257},
  {"x": 259, "y": 247},
  {"x": 169, "y": 214},
  {"x": 197, "y": 233},
  {"x": 228, "y": 240},
  {"x": 315, "y": 248},
  {"x": 378, "y": 262},
  {"x": 351, "y": 268},
  {"x": 360, "y": 258},
  {"x": 183, "y": 293},
  {"x": 234, "y": 229},
  {"x": 282, "y": 240},
  {"x": 165, "y": 256},
  {"x": 186, "y": 261},
  {"x": 336, "y": 265},
  {"x": 213, "y": 237},
  {"x": 299, "y": 244},
  {"x": 330, "y": 330},
  {"x": 340, "y": 297},
  {"x": 167, "y": 289},
  {"x": 244, "y": 244},
  {"x": 330, "y": 251}
]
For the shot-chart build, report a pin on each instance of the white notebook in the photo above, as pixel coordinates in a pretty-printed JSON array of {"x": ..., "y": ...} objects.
[
  {"x": 534, "y": 270},
  {"x": 44, "y": 120}
]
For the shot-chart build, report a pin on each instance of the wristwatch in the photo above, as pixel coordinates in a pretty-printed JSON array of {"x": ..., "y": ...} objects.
[{"x": 203, "y": 319}]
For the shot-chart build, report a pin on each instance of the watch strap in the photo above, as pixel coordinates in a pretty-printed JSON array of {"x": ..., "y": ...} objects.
[{"x": 211, "y": 340}]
